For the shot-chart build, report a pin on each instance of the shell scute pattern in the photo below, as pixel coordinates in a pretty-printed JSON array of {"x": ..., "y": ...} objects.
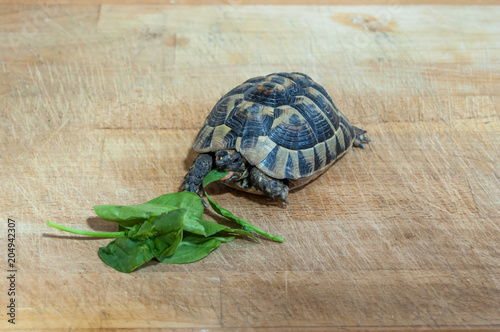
[
  {"x": 306, "y": 165},
  {"x": 258, "y": 122},
  {"x": 240, "y": 89},
  {"x": 268, "y": 94},
  {"x": 300, "y": 79},
  {"x": 324, "y": 105},
  {"x": 291, "y": 131},
  {"x": 285, "y": 124},
  {"x": 318, "y": 161},
  {"x": 315, "y": 117}
]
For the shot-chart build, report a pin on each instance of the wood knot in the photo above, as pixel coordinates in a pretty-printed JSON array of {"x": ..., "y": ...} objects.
[{"x": 365, "y": 22}]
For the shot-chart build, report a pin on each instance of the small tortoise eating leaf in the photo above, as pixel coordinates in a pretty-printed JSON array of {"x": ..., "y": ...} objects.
[{"x": 272, "y": 133}]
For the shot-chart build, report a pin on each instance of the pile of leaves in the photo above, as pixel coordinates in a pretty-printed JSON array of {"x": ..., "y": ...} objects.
[{"x": 169, "y": 228}]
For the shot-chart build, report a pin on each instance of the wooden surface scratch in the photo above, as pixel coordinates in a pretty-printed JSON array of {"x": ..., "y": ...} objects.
[{"x": 100, "y": 104}]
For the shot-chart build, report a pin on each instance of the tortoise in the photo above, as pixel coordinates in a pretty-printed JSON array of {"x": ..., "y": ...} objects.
[{"x": 272, "y": 133}]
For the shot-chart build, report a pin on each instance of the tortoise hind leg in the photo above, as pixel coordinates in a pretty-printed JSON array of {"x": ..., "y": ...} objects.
[
  {"x": 268, "y": 186},
  {"x": 360, "y": 137}
]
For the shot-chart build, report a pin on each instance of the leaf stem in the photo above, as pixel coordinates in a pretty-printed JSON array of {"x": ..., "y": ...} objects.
[
  {"x": 87, "y": 233},
  {"x": 215, "y": 175},
  {"x": 248, "y": 226}
]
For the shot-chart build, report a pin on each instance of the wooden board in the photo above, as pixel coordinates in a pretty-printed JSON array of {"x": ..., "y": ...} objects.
[{"x": 100, "y": 104}]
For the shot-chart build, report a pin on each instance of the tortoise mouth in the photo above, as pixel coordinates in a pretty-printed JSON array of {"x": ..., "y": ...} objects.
[
  {"x": 233, "y": 176},
  {"x": 228, "y": 176}
]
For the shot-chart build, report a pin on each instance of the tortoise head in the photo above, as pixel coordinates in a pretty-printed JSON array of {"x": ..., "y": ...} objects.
[{"x": 232, "y": 161}]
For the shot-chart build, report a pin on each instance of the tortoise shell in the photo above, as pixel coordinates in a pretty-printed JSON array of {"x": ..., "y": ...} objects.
[{"x": 285, "y": 124}]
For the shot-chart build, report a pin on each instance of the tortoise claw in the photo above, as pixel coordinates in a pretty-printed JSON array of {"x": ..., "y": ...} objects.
[
  {"x": 204, "y": 202},
  {"x": 358, "y": 143},
  {"x": 360, "y": 138}
]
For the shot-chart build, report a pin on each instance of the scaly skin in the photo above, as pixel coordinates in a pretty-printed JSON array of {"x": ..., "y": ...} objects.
[
  {"x": 241, "y": 175},
  {"x": 200, "y": 168},
  {"x": 270, "y": 187},
  {"x": 360, "y": 138}
]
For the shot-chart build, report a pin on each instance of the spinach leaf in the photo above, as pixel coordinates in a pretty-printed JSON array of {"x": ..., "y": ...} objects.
[
  {"x": 212, "y": 228},
  {"x": 215, "y": 175},
  {"x": 169, "y": 227},
  {"x": 86, "y": 233},
  {"x": 157, "y": 236},
  {"x": 193, "y": 248},
  {"x": 129, "y": 215}
]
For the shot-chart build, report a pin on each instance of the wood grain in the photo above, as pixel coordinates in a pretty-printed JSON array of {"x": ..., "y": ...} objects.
[
  {"x": 253, "y": 2},
  {"x": 100, "y": 104}
]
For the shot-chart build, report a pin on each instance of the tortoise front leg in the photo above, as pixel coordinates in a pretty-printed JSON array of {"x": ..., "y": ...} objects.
[
  {"x": 194, "y": 178},
  {"x": 270, "y": 187}
]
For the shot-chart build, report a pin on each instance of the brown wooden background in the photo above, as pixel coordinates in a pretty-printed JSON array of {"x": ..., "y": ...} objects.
[{"x": 100, "y": 104}]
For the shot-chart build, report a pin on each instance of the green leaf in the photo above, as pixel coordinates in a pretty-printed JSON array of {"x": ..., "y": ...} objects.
[
  {"x": 155, "y": 237},
  {"x": 193, "y": 248},
  {"x": 125, "y": 254},
  {"x": 240, "y": 232},
  {"x": 212, "y": 228},
  {"x": 212, "y": 176},
  {"x": 86, "y": 233},
  {"x": 215, "y": 175},
  {"x": 129, "y": 215}
]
